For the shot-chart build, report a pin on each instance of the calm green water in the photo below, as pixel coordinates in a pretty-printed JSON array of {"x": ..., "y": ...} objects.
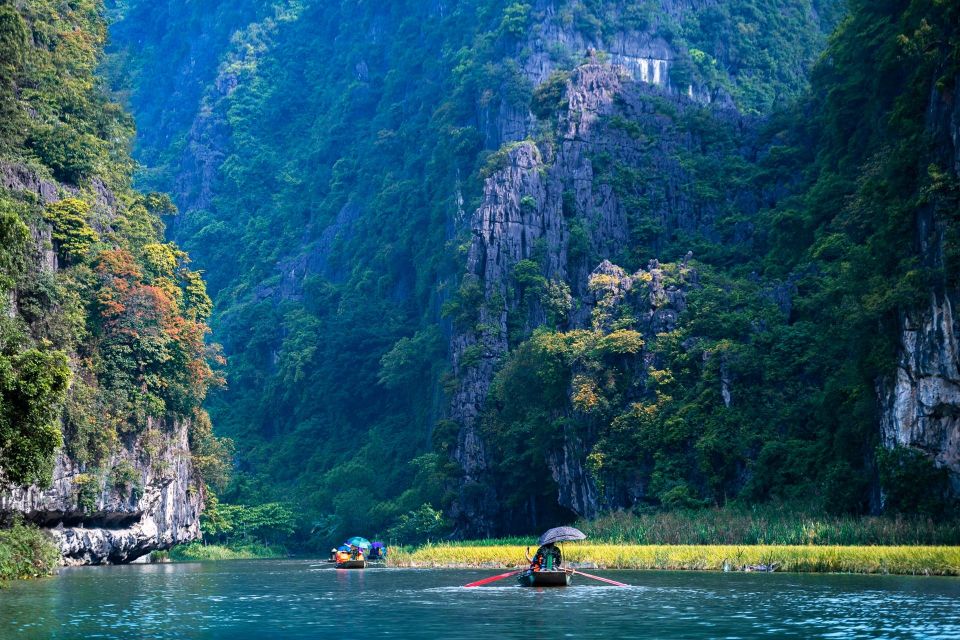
[{"x": 299, "y": 599}]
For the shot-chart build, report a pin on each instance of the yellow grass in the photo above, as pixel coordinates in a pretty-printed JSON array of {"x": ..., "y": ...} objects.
[{"x": 903, "y": 560}]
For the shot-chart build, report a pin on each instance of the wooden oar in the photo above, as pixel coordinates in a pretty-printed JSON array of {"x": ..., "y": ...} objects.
[
  {"x": 493, "y": 579},
  {"x": 587, "y": 575}
]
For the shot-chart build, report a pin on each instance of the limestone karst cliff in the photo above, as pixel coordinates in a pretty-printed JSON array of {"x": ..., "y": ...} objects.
[{"x": 103, "y": 330}]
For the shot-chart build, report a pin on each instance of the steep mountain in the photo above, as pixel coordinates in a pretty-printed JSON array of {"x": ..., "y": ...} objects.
[
  {"x": 528, "y": 261},
  {"x": 103, "y": 360}
]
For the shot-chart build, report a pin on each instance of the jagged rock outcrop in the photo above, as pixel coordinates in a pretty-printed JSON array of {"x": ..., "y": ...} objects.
[
  {"x": 106, "y": 518},
  {"x": 528, "y": 209}
]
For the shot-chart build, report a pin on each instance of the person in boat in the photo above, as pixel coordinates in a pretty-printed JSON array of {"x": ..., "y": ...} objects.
[
  {"x": 343, "y": 556},
  {"x": 333, "y": 555},
  {"x": 377, "y": 552},
  {"x": 547, "y": 558}
]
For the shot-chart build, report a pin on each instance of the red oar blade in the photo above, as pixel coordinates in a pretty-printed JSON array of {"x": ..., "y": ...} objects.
[
  {"x": 491, "y": 579},
  {"x": 587, "y": 575}
]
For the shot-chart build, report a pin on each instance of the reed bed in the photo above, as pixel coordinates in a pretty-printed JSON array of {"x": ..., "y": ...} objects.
[
  {"x": 196, "y": 552},
  {"x": 768, "y": 524},
  {"x": 898, "y": 560}
]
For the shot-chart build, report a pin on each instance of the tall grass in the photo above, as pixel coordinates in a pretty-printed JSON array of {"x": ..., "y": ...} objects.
[
  {"x": 901, "y": 560},
  {"x": 196, "y": 552},
  {"x": 777, "y": 525},
  {"x": 26, "y": 552}
]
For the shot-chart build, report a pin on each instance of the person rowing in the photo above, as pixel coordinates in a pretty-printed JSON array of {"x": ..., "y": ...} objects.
[{"x": 547, "y": 558}]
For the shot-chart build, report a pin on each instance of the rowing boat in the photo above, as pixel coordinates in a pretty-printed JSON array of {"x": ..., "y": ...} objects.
[
  {"x": 530, "y": 578},
  {"x": 352, "y": 564}
]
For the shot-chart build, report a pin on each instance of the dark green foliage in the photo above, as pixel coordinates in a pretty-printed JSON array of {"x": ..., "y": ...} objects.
[
  {"x": 549, "y": 98},
  {"x": 33, "y": 387},
  {"x": 14, "y": 236},
  {"x": 420, "y": 525},
  {"x": 70, "y": 155},
  {"x": 233, "y": 524},
  {"x": 912, "y": 484}
]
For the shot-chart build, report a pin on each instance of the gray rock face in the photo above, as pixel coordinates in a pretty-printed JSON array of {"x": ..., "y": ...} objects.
[
  {"x": 527, "y": 211},
  {"x": 15, "y": 177},
  {"x": 94, "y": 519},
  {"x": 920, "y": 404}
]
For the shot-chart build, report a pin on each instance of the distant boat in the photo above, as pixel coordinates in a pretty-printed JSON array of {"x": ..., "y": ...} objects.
[
  {"x": 352, "y": 564},
  {"x": 531, "y": 578}
]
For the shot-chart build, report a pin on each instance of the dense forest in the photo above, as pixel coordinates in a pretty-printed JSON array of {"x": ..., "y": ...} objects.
[
  {"x": 482, "y": 265},
  {"x": 476, "y": 267}
]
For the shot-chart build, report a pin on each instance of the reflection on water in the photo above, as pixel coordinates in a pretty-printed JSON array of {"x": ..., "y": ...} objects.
[{"x": 303, "y": 599}]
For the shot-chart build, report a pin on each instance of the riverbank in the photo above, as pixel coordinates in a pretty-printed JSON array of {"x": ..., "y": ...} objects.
[
  {"x": 198, "y": 552},
  {"x": 901, "y": 560},
  {"x": 26, "y": 552}
]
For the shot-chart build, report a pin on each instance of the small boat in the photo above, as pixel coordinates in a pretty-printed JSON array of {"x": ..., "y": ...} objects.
[
  {"x": 352, "y": 564},
  {"x": 530, "y": 578}
]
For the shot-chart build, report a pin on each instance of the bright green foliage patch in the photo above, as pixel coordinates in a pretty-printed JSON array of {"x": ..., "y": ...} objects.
[
  {"x": 196, "y": 552},
  {"x": 26, "y": 552}
]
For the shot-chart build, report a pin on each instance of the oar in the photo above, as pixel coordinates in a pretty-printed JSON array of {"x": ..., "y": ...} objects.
[
  {"x": 493, "y": 579},
  {"x": 587, "y": 575}
]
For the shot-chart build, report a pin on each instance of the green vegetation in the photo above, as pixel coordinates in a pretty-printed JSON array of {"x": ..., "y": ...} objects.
[
  {"x": 333, "y": 235},
  {"x": 26, "y": 552},
  {"x": 102, "y": 324},
  {"x": 197, "y": 552},
  {"x": 745, "y": 399},
  {"x": 771, "y": 525},
  {"x": 394, "y": 151},
  {"x": 116, "y": 334}
]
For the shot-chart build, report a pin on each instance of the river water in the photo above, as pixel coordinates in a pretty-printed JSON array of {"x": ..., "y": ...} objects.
[{"x": 265, "y": 599}]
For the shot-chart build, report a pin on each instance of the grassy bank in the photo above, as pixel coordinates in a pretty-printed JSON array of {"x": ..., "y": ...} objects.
[
  {"x": 768, "y": 524},
  {"x": 197, "y": 552},
  {"x": 26, "y": 552},
  {"x": 901, "y": 560}
]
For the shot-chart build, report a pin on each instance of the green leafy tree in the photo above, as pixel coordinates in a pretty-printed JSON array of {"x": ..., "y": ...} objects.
[
  {"x": 71, "y": 228},
  {"x": 33, "y": 387}
]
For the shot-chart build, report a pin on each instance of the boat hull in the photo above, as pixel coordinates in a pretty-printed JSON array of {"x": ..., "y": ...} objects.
[
  {"x": 544, "y": 579},
  {"x": 352, "y": 564}
]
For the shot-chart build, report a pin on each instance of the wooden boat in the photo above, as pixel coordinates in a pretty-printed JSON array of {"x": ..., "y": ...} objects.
[
  {"x": 352, "y": 564},
  {"x": 544, "y": 578}
]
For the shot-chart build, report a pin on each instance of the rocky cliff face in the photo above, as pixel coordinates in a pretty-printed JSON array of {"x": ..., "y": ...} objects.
[
  {"x": 546, "y": 191},
  {"x": 146, "y": 495},
  {"x": 920, "y": 404},
  {"x": 109, "y": 518}
]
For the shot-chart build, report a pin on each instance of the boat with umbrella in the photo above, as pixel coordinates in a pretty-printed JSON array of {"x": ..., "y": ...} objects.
[
  {"x": 351, "y": 554},
  {"x": 546, "y": 567}
]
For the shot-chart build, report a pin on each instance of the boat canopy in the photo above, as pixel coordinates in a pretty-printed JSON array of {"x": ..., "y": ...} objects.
[{"x": 561, "y": 534}]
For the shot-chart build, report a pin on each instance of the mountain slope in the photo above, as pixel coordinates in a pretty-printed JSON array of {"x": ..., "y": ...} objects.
[{"x": 376, "y": 192}]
